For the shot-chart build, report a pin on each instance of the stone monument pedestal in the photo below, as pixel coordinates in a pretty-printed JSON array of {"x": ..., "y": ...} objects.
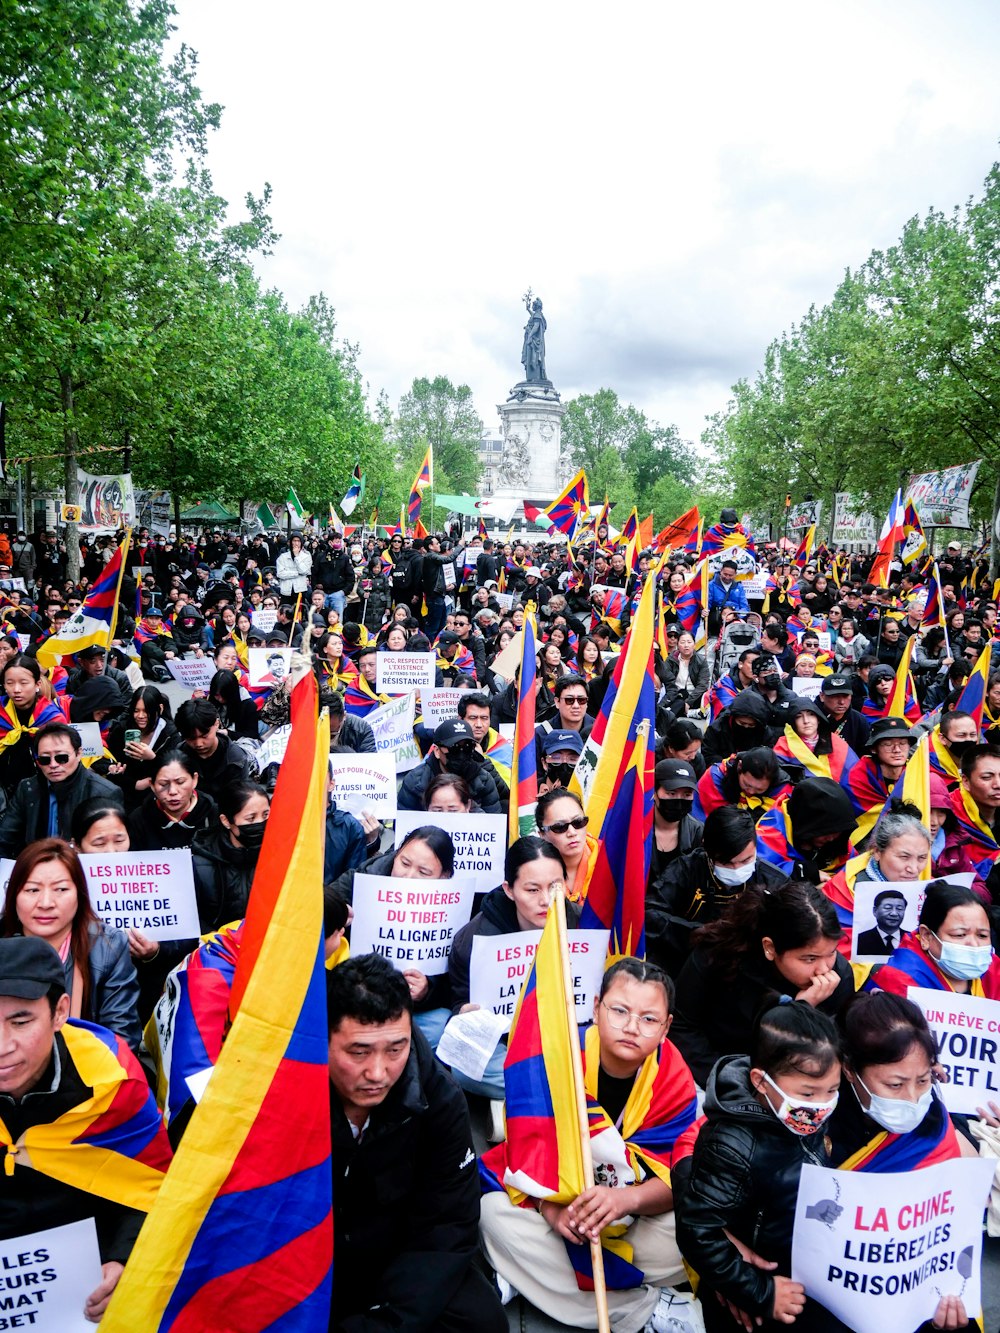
[{"x": 531, "y": 422}]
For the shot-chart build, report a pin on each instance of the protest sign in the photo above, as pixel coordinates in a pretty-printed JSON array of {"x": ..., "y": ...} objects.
[
  {"x": 448, "y": 574},
  {"x": 438, "y": 706},
  {"x": 825, "y": 640},
  {"x": 398, "y": 673},
  {"x": 269, "y": 666},
  {"x": 272, "y": 750},
  {"x": 150, "y": 891},
  {"x": 392, "y": 726},
  {"x": 412, "y": 922},
  {"x": 755, "y": 587},
  {"x": 264, "y": 619},
  {"x": 364, "y": 784},
  {"x": 505, "y": 600},
  {"x": 966, "y": 1031},
  {"x": 107, "y": 502},
  {"x": 480, "y": 842},
  {"x": 942, "y": 498},
  {"x": 882, "y": 909},
  {"x": 48, "y": 1277},
  {"x": 91, "y": 744},
  {"x": 851, "y": 524},
  {"x": 803, "y": 514},
  {"x": 24, "y": 640},
  {"x": 13, "y": 585},
  {"x": 508, "y": 659},
  {"x": 193, "y": 675},
  {"x": 880, "y": 1250},
  {"x": 500, "y": 965},
  {"x": 469, "y": 1040},
  {"x": 808, "y": 687}
]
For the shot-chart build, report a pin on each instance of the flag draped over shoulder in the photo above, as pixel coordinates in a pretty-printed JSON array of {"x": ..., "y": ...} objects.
[
  {"x": 724, "y": 536},
  {"x": 524, "y": 763},
  {"x": 241, "y": 1235},
  {"x": 94, "y": 622},
  {"x": 569, "y": 509},
  {"x": 421, "y": 482},
  {"x": 614, "y": 777}
]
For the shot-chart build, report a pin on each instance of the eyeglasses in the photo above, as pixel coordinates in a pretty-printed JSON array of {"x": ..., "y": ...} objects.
[
  {"x": 577, "y": 700},
  {"x": 620, "y": 1017},
  {"x": 564, "y": 825},
  {"x": 45, "y": 759}
]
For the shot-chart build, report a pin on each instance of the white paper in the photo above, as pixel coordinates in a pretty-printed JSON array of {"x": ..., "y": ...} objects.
[
  {"x": 480, "y": 842},
  {"x": 392, "y": 727},
  {"x": 92, "y": 746},
  {"x": 808, "y": 687},
  {"x": 272, "y": 750},
  {"x": 197, "y": 1083},
  {"x": 264, "y": 619},
  {"x": 469, "y": 1040},
  {"x": 57, "y": 1270},
  {"x": 151, "y": 891},
  {"x": 966, "y": 1031},
  {"x": 269, "y": 666},
  {"x": 439, "y": 706},
  {"x": 929, "y": 1223},
  {"x": 195, "y": 674},
  {"x": 398, "y": 673},
  {"x": 364, "y": 784},
  {"x": 412, "y": 922},
  {"x": 500, "y": 964}
]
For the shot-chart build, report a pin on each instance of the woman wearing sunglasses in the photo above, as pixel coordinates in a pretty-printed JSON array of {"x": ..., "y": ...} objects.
[{"x": 560, "y": 820}]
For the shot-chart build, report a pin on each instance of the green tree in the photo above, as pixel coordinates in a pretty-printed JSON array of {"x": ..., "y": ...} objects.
[{"x": 441, "y": 414}]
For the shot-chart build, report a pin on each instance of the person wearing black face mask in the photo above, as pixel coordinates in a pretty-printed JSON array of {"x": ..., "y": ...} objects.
[
  {"x": 453, "y": 751},
  {"x": 560, "y": 751},
  {"x": 675, "y": 830},
  {"x": 224, "y": 861}
]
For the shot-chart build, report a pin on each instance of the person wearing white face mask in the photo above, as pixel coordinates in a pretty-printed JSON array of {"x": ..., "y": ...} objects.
[{"x": 694, "y": 888}]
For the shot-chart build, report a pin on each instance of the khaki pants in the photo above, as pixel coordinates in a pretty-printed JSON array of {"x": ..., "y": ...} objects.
[{"x": 524, "y": 1249}]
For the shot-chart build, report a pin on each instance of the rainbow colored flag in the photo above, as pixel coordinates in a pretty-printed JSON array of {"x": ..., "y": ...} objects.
[
  {"x": 570, "y": 508},
  {"x": 422, "y": 482},
  {"x": 94, "y": 622},
  {"x": 241, "y": 1234},
  {"x": 524, "y": 763}
]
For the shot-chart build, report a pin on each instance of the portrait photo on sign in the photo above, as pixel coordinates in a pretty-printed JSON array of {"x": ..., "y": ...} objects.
[
  {"x": 269, "y": 666},
  {"x": 883, "y": 914}
]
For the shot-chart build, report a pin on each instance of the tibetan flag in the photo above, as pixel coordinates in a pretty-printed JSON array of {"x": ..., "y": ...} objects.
[
  {"x": 601, "y": 521},
  {"x": 422, "y": 482},
  {"x": 680, "y": 531},
  {"x": 614, "y": 778},
  {"x": 695, "y": 542},
  {"x": 804, "y": 552},
  {"x": 913, "y": 531},
  {"x": 570, "y": 508},
  {"x": 934, "y": 606},
  {"x": 631, "y": 527},
  {"x": 523, "y": 768},
  {"x": 398, "y": 529},
  {"x": 724, "y": 536},
  {"x": 481, "y": 532},
  {"x": 903, "y": 699},
  {"x": 355, "y": 492},
  {"x": 94, "y": 623},
  {"x": 972, "y": 700},
  {"x": 294, "y": 505},
  {"x": 914, "y": 786},
  {"x": 241, "y": 1234},
  {"x": 692, "y": 603}
]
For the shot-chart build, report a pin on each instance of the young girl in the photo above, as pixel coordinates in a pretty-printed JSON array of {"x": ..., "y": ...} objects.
[{"x": 766, "y": 1114}]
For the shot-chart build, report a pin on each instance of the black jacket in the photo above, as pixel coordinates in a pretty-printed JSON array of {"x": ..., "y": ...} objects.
[
  {"x": 407, "y": 1214},
  {"x": 482, "y": 785},
  {"x": 223, "y": 877},
  {"x": 714, "y": 1013},
  {"x": 853, "y": 729},
  {"x": 149, "y": 829},
  {"x": 27, "y": 816},
  {"x": 76, "y": 679},
  {"x": 332, "y": 570},
  {"x": 724, "y": 737},
  {"x": 504, "y": 706},
  {"x": 743, "y": 1177},
  {"x": 230, "y": 763}
]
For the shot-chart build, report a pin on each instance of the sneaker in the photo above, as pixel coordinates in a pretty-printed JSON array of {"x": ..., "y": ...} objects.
[
  {"x": 676, "y": 1312},
  {"x": 498, "y": 1127}
]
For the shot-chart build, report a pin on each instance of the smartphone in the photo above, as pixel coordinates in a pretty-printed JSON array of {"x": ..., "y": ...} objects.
[{"x": 133, "y": 736}]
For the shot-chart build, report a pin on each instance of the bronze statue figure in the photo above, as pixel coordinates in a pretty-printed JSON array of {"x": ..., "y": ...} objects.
[{"x": 533, "y": 349}]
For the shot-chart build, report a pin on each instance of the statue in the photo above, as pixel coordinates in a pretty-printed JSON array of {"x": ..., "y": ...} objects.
[{"x": 533, "y": 349}]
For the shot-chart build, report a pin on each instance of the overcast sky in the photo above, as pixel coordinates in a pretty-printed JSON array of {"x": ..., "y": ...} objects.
[{"x": 677, "y": 183}]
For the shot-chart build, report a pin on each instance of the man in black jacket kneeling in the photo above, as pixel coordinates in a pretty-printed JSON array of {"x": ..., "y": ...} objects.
[{"x": 405, "y": 1178}]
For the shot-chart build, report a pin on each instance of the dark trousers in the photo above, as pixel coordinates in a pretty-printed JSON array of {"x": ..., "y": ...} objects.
[{"x": 474, "y": 1308}]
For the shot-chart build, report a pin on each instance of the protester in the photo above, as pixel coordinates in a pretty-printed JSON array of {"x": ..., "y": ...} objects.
[
  {"x": 43, "y": 806},
  {"x": 675, "y": 829},
  {"x": 225, "y": 860},
  {"x": 454, "y": 751},
  {"x": 148, "y": 714},
  {"x": 174, "y": 810},
  {"x": 218, "y": 761},
  {"x": 561, "y": 820}
]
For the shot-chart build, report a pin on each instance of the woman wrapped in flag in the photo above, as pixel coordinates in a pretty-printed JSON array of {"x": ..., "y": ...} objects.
[
  {"x": 23, "y": 709},
  {"x": 952, "y": 948},
  {"x": 640, "y": 1099},
  {"x": 810, "y": 745},
  {"x": 752, "y": 780},
  {"x": 871, "y": 780}
]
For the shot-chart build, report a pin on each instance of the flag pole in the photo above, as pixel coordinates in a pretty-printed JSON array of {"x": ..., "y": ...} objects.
[
  {"x": 596, "y": 1252},
  {"x": 118, "y": 592},
  {"x": 295, "y": 618}
]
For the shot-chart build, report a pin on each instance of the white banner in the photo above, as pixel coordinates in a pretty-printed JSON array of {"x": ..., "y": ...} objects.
[
  {"x": 107, "y": 503},
  {"x": 746, "y": 565},
  {"x": 942, "y": 498},
  {"x": 438, "y": 706},
  {"x": 803, "y": 514},
  {"x": 269, "y": 666},
  {"x": 880, "y": 1250},
  {"x": 966, "y": 1030},
  {"x": 480, "y": 842},
  {"x": 151, "y": 891},
  {"x": 851, "y": 524},
  {"x": 412, "y": 922},
  {"x": 398, "y": 673},
  {"x": 500, "y": 963},
  {"x": 392, "y": 726},
  {"x": 49, "y": 1275},
  {"x": 272, "y": 750},
  {"x": 194, "y": 675},
  {"x": 364, "y": 784},
  {"x": 807, "y": 686},
  {"x": 756, "y": 586}
]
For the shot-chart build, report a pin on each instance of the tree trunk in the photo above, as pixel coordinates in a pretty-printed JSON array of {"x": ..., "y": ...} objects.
[
  {"x": 174, "y": 489},
  {"x": 994, "y": 541},
  {"x": 71, "y": 481}
]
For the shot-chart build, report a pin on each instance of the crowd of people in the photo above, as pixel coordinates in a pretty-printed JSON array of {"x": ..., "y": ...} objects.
[{"x": 744, "y": 1045}]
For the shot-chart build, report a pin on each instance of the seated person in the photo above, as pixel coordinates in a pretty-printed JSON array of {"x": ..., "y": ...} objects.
[
  {"x": 638, "y": 1084},
  {"x": 43, "y": 806}
]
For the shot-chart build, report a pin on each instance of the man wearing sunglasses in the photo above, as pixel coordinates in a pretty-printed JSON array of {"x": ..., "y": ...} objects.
[
  {"x": 454, "y": 751},
  {"x": 571, "y": 714},
  {"x": 43, "y": 806}
]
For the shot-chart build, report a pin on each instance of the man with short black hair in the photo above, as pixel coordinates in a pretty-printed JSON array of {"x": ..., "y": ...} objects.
[
  {"x": 43, "y": 806},
  {"x": 882, "y": 939},
  {"x": 349, "y": 732},
  {"x": 220, "y": 762},
  {"x": 453, "y": 751},
  {"x": 836, "y": 696},
  {"x": 405, "y": 1176}
]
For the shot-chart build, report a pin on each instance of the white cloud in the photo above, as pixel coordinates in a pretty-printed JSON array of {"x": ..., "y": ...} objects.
[{"x": 678, "y": 186}]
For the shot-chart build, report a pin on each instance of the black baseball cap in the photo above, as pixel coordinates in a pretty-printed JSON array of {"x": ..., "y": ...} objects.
[
  {"x": 453, "y": 732},
  {"x": 674, "y": 775},
  {"x": 447, "y": 638},
  {"x": 836, "y": 685},
  {"x": 29, "y": 968}
]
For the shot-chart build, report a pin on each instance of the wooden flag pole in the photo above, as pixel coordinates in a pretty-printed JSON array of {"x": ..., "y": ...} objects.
[{"x": 596, "y": 1251}]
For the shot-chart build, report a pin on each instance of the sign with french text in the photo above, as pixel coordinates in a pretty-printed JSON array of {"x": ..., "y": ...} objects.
[
  {"x": 392, "y": 727},
  {"x": 195, "y": 674},
  {"x": 364, "y": 784},
  {"x": 966, "y": 1031},
  {"x": 48, "y": 1276},
  {"x": 91, "y": 743},
  {"x": 398, "y": 673},
  {"x": 480, "y": 842},
  {"x": 152, "y": 892},
  {"x": 500, "y": 965},
  {"x": 412, "y": 922},
  {"x": 439, "y": 706}
]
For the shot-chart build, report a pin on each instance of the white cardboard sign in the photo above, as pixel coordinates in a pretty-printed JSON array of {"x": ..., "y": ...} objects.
[
  {"x": 193, "y": 675},
  {"x": 269, "y": 666},
  {"x": 439, "y": 706},
  {"x": 364, "y": 784},
  {"x": 500, "y": 965},
  {"x": 808, "y": 687},
  {"x": 392, "y": 727},
  {"x": 92, "y": 746},
  {"x": 264, "y": 619},
  {"x": 272, "y": 750},
  {"x": 966, "y": 1031},
  {"x": 151, "y": 891},
  {"x": 412, "y": 922},
  {"x": 56, "y": 1270},
  {"x": 879, "y": 1250},
  {"x": 398, "y": 673},
  {"x": 480, "y": 842}
]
